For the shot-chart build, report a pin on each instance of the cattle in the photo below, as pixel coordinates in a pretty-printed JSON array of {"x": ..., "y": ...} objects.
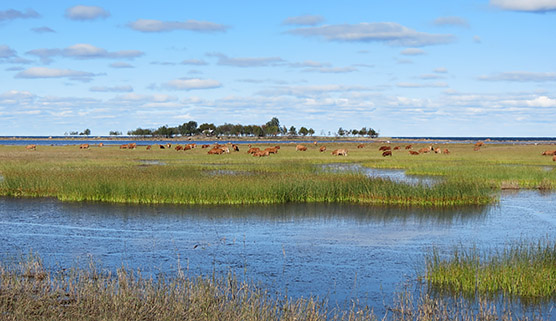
[
  {"x": 446, "y": 151},
  {"x": 271, "y": 150},
  {"x": 437, "y": 150},
  {"x": 300, "y": 148},
  {"x": 148, "y": 147},
  {"x": 31, "y": 147},
  {"x": 424, "y": 150},
  {"x": 315, "y": 143},
  {"x": 253, "y": 150},
  {"x": 479, "y": 144},
  {"x": 412, "y": 152},
  {"x": 408, "y": 146},
  {"x": 554, "y": 158},
  {"x": 261, "y": 153},
  {"x": 100, "y": 144},
  {"x": 187, "y": 147},
  {"x": 161, "y": 146},
  {"x": 124, "y": 146},
  {"x": 191, "y": 146},
  {"x": 340, "y": 152},
  {"x": 397, "y": 147},
  {"x": 131, "y": 145},
  {"x": 360, "y": 146},
  {"x": 387, "y": 153},
  {"x": 277, "y": 146},
  {"x": 322, "y": 149},
  {"x": 235, "y": 147},
  {"x": 384, "y": 148},
  {"x": 168, "y": 145},
  {"x": 178, "y": 147},
  {"x": 205, "y": 146},
  {"x": 549, "y": 153},
  {"x": 476, "y": 148},
  {"x": 216, "y": 151},
  {"x": 84, "y": 146}
]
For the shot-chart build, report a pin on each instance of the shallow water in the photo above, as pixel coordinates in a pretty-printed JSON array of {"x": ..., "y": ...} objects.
[
  {"x": 335, "y": 251},
  {"x": 396, "y": 175}
]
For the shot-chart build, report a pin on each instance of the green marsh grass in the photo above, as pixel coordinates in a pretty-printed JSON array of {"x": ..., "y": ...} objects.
[
  {"x": 28, "y": 291},
  {"x": 526, "y": 270},
  {"x": 193, "y": 177}
]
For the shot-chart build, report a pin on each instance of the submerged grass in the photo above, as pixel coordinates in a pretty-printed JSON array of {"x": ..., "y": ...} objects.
[
  {"x": 28, "y": 291},
  {"x": 526, "y": 270}
]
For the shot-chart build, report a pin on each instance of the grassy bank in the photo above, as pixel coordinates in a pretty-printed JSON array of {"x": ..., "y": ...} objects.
[
  {"x": 30, "y": 292},
  {"x": 526, "y": 270},
  {"x": 193, "y": 177}
]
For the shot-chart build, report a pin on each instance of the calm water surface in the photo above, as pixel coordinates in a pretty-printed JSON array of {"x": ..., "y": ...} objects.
[{"x": 335, "y": 251}]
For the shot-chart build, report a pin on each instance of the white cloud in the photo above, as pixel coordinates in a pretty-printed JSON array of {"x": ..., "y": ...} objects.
[
  {"x": 440, "y": 70},
  {"x": 86, "y": 13},
  {"x": 412, "y": 52},
  {"x": 42, "y": 72},
  {"x": 192, "y": 84},
  {"x": 422, "y": 85},
  {"x": 331, "y": 70},
  {"x": 14, "y": 97},
  {"x": 196, "y": 62},
  {"x": 520, "y": 76},
  {"x": 390, "y": 33},
  {"x": 525, "y": 5},
  {"x": 111, "y": 89},
  {"x": 246, "y": 61},
  {"x": 83, "y": 51},
  {"x": 306, "y": 20},
  {"x": 12, "y": 14},
  {"x": 120, "y": 64},
  {"x": 541, "y": 101},
  {"x": 43, "y": 29},
  {"x": 7, "y": 52},
  {"x": 451, "y": 21},
  {"x": 148, "y": 25}
]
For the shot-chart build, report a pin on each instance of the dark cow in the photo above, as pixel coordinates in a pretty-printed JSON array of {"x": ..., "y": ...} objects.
[
  {"x": 360, "y": 146},
  {"x": 384, "y": 148},
  {"x": 412, "y": 152},
  {"x": 408, "y": 146},
  {"x": 387, "y": 153},
  {"x": 397, "y": 147},
  {"x": 178, "y": 147}
]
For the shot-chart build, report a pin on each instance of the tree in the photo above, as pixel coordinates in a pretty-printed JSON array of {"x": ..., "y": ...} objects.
[
  {"x": 341, "y": 131},
  {"x": 372, "y": 133},
  {"x": 86, "y": 132},
  {"x": 273, "y": 122},
  {"x": 354, "y": 132},
  {"x": 114, "y": 133},
  {"x": 292, "y": 131},
  {"x": 166, "y": 131},
  {"x": 311, "y": 132},
  {"x": 73, "y": 133},
  {"x": 140, "y": 132},
  {"x": 363, "y": 131},
  {"x": 303, "y": 131},
  {"x": 207, "y": 129},
  {"x": 189, "y": 128}
]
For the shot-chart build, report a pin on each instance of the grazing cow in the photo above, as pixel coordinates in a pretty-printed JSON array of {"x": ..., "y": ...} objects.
[
  {"x": 271, "y": 150},
  {"x": 387, "y": 153},
  {"x": 277, "y": 146},
  {"x": 360, "y": 146},
  {"x": 397, "y": 147},
  {"x": 446, "y": 151},
  {"x": 437, "y": 150},
  {"x": 322, "y": 149},
  {"x": 216, "y": 151},
  {"x": 235, "y": 147},
  {"x": 549, "y": 153},
  {"x": 148, "y": 147},
  {"x": 124, "y": 146},
  {"x": 300, "y": 148},
  {"x": 479, "y": 144},
  {"x": 384, "y": 148},
  {"x": 408, "y": 146},
  {"x": 191, "y": 146},
  {"x": 168, "y": 145},
  {"x": 225, "y": 149},
  {"x": 84, "y": 146},
  {"x": 31, "y": 147},
  {"x": 412, "y": 152},
  {"x": 187, "y": 147},
  {"x": 315, "y": 143},
  {"x": 131, "y": 145},
  {"x": 476, "y": 148},
  {"x": 161, "y": 146},
  {"x": 179, "y": 147},
  {"x": 424, "y": 150},
  {"x": 340, "y": 152},
  {"x": 100, "y": 144},
  {"x": 205, "y": 146},
  {"x": 253, "y": 150},
  {"x": 554, "y": 158},
  {"x": 261, "y": 153}
]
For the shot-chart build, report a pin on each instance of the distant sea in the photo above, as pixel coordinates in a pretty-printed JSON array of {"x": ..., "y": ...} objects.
[{"x": 111, "y": 140}]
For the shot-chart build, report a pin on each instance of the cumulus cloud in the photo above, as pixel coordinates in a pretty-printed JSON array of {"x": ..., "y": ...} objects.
[
  {"x": 520, "y": 76},
  {"x": 7, "y": 52},
  {"x": 314, "y": 90},
  {"x": 121, "y": 65},
  {"x": 390, "y": 33},
  {"x": 440, "y": 70},
  {"x": 13, "y": 97},
  {"x": 541, "y": 101},
  {"x": 192, "y": 84},
  {"x": 422, "y": 85},
  {"x": 196, "y": 62},
  {"x": 331, "y": 70},
  {"x": 305, "y": 20},
  {"x": 86, "y": 13},
  {"x": 525, "y": 5},
  {"x": 12, "y": 14},
  {"x": 42, "y": 72},
  {"x": 114, "y": 89},
  {"x": 43, "y": 30},
  {"x": 83, "y": 51},
  {"x": 246, "y": 61},
  {"x": 451, "y": 21},
  {"x": 148, "y": 25},
  {"x": 412, "y": 52}
]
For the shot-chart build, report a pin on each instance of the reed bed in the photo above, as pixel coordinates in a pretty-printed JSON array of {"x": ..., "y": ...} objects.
[
  {"x": 28, "y": 291},
  {"x": 525, "y": 270}
]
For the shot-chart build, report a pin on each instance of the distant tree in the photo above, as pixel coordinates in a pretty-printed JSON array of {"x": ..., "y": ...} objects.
[
  {"x": 283, "y": 130},
  {"x": 238, "y": 130},
  {"x": 341, "y": 131},
  {"x": 354, "y": 132},
  {"x": 372, "y": 133},
  {"x": 207, "y": 129},
  {"x": 114, "y": 133},
  {"x": 271, "y": 130},
  {"x": 86, "y": 132},
  {"x": 311, "y": 132},
  {"x": 303, "y": 131},
  {"x": 292, "y": 131},
  {"x": 141, "y": 132},
  {"x": 363, "y": 131},
  {"x": 273, "y": 122},
  {"x": 188, "y": 129},
  {"x": 258, "y": 131},
  {"x": 73, "y": 133},
  {"x": 225, "y": 129},
  {"x": 166, "y": 131}
]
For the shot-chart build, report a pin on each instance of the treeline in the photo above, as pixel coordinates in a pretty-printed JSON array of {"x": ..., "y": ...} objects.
[{"x": 271, "y": 128}]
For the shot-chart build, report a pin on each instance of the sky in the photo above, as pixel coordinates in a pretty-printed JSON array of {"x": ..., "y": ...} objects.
[{"x": 404, "y": 68}]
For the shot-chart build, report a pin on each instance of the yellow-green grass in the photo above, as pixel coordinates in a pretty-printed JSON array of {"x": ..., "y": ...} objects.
[
  {"x": 194, "y": 177},
  {"x": 28, "y": 291},
  {"x": 526, "y": 270}
]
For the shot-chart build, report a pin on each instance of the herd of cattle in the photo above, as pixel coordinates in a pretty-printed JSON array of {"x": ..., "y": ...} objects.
[{"x": 219, "y": 149}]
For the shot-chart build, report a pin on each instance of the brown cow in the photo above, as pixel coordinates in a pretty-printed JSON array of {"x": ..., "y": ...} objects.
[
  {"x": 300, "y": 148},
  {"x": 253, "y": 150},
  {"x": 31, "y": 147},
  {"x": 261, "y": 153},
  {"x": 384, "y": 148},
  {"x": 554, "y": 158},
  {"x": 340, "y": 152},
  {"x": 360, "y": 146},
  {"x": 148, "y": 147},
  {"x": 271, "y": 150},
  {"x": 412, "y": 152},
  {"x": 277, "y": 146},
  {"x": 168, "y": 145},
  {"x": 408, "y": 146},
  {"x": 191, "y": 146},
  {"x": 446, "y": 151},
  {"x": 187, "y": 147},
  {"x": 84, "y": 146},
  {"x": 100, "y": 144},
  {"x": 549, "y": 153},
  {"x": 124, "y": 146},
  {"x": 205, "y": 146},
  {"x": 479, "y": 144},
  {"x": 397, "y": 147},
  {"x": 424, "y": 150},
  {"x": 387, "y": 153},
  {"x": 476, "y": 148},
  {"x": 161, "y": 146},
  {"x": 216, "y": 151},
  {"x": 179, "y": 147},
  {"x": 437, "y": 150},
  {"x": 235, "y": 147},
  {"x": 322, "y": 149},
  {"x": 131, "y": 145}
]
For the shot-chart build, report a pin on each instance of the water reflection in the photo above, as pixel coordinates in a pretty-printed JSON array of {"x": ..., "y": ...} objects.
[{"x": 396, "y": 175}]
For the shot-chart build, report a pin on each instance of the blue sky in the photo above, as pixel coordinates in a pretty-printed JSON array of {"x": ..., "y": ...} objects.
[{"x": 404, "y": 68}]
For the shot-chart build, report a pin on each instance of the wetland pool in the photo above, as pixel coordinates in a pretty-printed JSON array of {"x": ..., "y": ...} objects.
[{"x": 339, "y": 252}]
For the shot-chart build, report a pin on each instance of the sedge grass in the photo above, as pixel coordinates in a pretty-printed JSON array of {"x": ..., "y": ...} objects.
[{"x": 526, "y": 270}]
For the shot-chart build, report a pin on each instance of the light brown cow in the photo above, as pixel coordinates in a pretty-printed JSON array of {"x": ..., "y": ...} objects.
[
  {"x": 549, "y": 153},
  {"x": 131, "y": 145},
  {"x": 124, "y": 146},
  {"x": 253, "y": 150},
  {"x": 554, "y": 158},
  {"x": 397, "y": 147},
  {"x": 424, "y": 150},
  {"x": 271, "y": 150},
  {"x": 84, "y": 146},
  {"x": 340, "y": 152},
  {"x": 479, "y": 144},
  {"x": 261, "y": 153},
  {"x": 100, "y": 144},
  {"x": 437, "y": 150},
  {"x": 412, "y": 152},
  {"x": 360, "y": 146},
  {"x": 322, "y": 149},
  {"x": 387, "y": 153},
  {"x": 408, "y": 146},
  {"x": 476, "y": 148},
  {"x": 216, "y": 151},
  {"x": 446, "y": 151},
  {"x": 300, "y": 148},
  {"x": 31, "y": 147},
  {"x": 148, "y": 147}
]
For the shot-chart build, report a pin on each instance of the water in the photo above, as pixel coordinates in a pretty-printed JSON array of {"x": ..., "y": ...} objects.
[
  {"x": 396, "y": 175},
  {"x": 335, "y": 251}
]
